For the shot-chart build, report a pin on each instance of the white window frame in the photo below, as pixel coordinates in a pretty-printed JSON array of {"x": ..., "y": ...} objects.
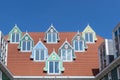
[
  {"x": 54, "y": 68},
  {"x": 39, "y": 55},
  {"x": 79, "y": 46},
  {"x": 15, "y": 38},
  {"x": 26, "y": 46},
  {"x": 51, "y": 33},
  {"x": 66, "y": 52},
  {"x": 89, "y": 37},
  {"x": 118, "y": 72},
  {"x": 0, "y": 75}
]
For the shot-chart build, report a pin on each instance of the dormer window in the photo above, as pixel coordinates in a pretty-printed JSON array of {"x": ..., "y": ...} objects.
[
  {"x": 79, "y": 43},
  {"x": 26, "y": 43},
  {"x": 66, "y": 52},
  {"x": 89, "y": 35},
  {"x": 39, "y": 52},
  {"x": 54, "y": 64},
  {"x": 15, "y": 35},
  {"x": 51, "y": 35}
]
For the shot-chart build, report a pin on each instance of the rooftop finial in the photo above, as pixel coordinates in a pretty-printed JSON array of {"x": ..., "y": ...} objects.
[
  {"x": 26, "y": 31},
  {"x": 78, "y": 31},
  {"x": 51, "y": 24},
  {"x": 66, "y": 39},
  {"x": 39, "y": 39},
  {"x": 15, "y": 25},
  {"x": 53, "y": 50}
]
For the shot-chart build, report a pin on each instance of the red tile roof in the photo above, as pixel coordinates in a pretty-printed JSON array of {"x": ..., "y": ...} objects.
[{"x": 86, "y": 63}]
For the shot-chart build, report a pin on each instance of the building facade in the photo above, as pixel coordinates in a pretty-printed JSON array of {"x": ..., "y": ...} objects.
[
  {"x": 51, "y": 55},
  {"x": 112, "y": 70}
]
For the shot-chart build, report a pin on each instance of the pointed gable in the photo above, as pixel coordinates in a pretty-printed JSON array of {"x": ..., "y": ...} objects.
[
  {"x": 42, "y": 55},
  {"x": 88, "y": 33},
  {"x": 66, "y": 51},
  {"x": 39, "y": 45},
  {"x": 54, "y": 57},
  {"x": 78, "y": 42},
  {"x": 51, "y": 35},
  {"x": 78, "y": 36},
  {"x": 14, "y": 34},
  {"x": 26, "y": 38}
]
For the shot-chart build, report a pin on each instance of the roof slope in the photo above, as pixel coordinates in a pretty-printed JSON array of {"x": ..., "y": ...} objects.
[{"x": 86, "y": 63}]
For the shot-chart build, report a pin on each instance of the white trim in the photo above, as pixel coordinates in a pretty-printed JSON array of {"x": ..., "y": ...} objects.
[
  {"x": 67, "y": 43},
  {"x": 26, "y": 46},
  {"x": 84, "y": 77},
  {"x": 39, "y": 55},
  {"x": 89, "y": 37},
  {"x": 66, "y": 56},
  {"x": 15, "y": 41},
  {"x": 54, "y": 68},
  {"x": 79, "y": 46},
  {"x": 39, "y": 42},
  {"x": 51, "y": 35}
]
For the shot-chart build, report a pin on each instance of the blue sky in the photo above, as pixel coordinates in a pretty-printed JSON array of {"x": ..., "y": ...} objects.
[{"x": 65, "y": 15}]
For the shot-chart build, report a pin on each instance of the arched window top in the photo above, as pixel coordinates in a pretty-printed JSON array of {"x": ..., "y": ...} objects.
[
  {"x": 51, "y": 35},
  {"x": 39, "y": 52},
  {"x": 26, "y": 43},
  {"x": 66, "y": 52},
  {"x": 14, "y": 35},
  {"x": 89, "y": 34},
  {"x": 54, "y": 64}
]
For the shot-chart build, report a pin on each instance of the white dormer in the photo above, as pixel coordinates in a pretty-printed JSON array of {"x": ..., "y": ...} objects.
[
  {"x": 51, "y": 35},
  {"x": 89, "y": 34}
]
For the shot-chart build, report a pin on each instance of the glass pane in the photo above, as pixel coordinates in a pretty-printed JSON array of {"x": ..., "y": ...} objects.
[
  {"x": 91, "y": 37},
  {"x": 24, "y": 45},
  {"x": 63, "y": 54},
  {"x": 17, "y": 37},
  {"x": 81, "y": 45},
  {"x": 69, "y": 56},
  {"x": 76, "y": 45},
  {"x": 50, "y": 67},
  {"x": 28, "y": 45},
  {"x": 54, "y": 37},
  {"x": 42, "y": 54},
  {"x": 86, "y": 37},
  {"x": 13, "y": 37},
  {"x": 37, "y": 55},
  {"x": 49, "y": 37},
  {"x": 56, "y": 67}
]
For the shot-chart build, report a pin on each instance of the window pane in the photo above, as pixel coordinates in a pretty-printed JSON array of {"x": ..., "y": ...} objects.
[
  {"x": 91, "y": 37},
  {"x": 17, "y": 37},
  {"x": 56, "y": 67},
  {"x": 69, "y": 56},
  {"x": 81, "y": 45},
  {"x": 37, "y": 55},
  {"x": 50, "y": 67},
  {"x": 42, "y": 54},
  {"x": 63, "y": 54},
  {"x": 76, "y": 45},
  {"x": 54, "y": 37},
  {"x": 28, "y": 45},
  {"x": 49, "y": 37},
  {"x": 13, "y": 37},
  {"x": 86, "y": 37},
  {"x": 24, "y": 45}
]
